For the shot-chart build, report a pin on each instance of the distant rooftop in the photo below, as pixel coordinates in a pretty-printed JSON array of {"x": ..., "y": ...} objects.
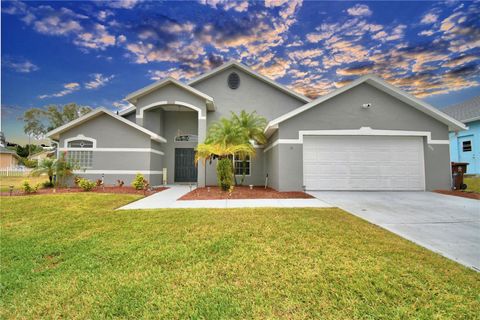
[{"x": 466, "y": 111}]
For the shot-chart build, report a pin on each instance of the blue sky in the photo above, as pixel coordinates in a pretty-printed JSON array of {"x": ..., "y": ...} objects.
[{"x": 95, "y": 53}]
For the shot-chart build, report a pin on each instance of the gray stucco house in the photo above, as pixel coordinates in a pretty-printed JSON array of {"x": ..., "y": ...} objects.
[{"x": 367, "y": 135}]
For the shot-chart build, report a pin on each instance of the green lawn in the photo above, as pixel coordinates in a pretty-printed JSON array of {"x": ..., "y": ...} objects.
[
  {"x": 73, "y": 256},
  {"x": 473, "y": 183},
  {"x": 16, "y": 182}
]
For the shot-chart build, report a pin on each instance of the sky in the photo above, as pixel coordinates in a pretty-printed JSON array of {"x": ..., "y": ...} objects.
[{"x": 96, "y": 53}]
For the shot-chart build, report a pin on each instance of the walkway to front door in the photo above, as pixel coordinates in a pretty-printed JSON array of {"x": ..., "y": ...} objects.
[
  {"x": 185, "y": 169},
  {"x": 168, "y": 199}
]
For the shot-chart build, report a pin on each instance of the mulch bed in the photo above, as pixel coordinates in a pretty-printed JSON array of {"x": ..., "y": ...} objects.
[
  {"x": 242, "y": 192},
  {"x": 457, "y": 193},
  {"x": 106, "y": 189}
]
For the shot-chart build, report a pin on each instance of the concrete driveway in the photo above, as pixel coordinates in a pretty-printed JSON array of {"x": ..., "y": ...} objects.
[{"x": 444, "y": 224}]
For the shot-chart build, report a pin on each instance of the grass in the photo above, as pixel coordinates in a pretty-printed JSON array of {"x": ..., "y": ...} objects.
[
  {"x": 473, "y": 183},
  {"x": 16, "y": 182},
  {"x": 73, "y": 256}
]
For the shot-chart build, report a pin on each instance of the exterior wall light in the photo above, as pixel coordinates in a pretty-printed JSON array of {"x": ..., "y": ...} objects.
[{"x": 366, "y": 105}]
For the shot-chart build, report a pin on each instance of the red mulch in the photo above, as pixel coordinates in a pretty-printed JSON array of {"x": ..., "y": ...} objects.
[
  {"x": 106, "y": 189},
  {"x": 242, "y": 192},
  {"x": 457, "y": 193}
]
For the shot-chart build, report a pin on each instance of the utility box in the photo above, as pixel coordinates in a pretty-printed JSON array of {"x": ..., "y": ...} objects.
[{"x": 458, "y": 170}]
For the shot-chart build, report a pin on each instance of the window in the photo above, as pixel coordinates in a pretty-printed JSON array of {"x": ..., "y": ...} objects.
[
  {"x": 80, "y": 144},
  {"x": 238, "y": 165},
  {"x": 233, "y": 81},
  {"x": 467, "y": 146},
  {"x": 80, "y": 158}
]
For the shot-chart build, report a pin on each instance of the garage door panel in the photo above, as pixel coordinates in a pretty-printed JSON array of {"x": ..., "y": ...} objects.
[{"x": 363, "y": 163}]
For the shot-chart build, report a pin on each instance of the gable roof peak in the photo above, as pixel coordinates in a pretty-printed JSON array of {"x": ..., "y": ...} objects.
[
  {"x": 132, "y": 97},
  {"x": 252, "y": 73}
]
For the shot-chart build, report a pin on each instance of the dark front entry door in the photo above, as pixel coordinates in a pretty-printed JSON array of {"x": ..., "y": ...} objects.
[{"x": 185, "y": 170}]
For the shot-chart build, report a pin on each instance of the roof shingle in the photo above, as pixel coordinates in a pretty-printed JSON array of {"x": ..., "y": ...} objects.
[{"x": 466, "y": 111}]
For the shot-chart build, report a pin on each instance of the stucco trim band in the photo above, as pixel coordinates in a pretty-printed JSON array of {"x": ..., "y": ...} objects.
[
  {"x": 114, "y": 150},
  {"x": 178, "y": 103},
  {"x": 363, "y": 131}
]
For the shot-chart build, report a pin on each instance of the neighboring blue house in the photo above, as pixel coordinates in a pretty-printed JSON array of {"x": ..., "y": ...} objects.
[{"x": 465, "y": 145}]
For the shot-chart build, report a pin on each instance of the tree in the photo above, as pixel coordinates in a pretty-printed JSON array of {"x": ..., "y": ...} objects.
[
  {"x": 39, "y": 121},
  {"x": 27, "y": 150},
  {"x": 231, "y": 137},
  {"x": 253, "y": 127},
  {"x": 46, "y": 166}
]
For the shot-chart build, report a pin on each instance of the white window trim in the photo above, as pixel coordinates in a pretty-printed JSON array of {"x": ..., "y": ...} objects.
[
  {"x": 250, "y": 169},
  {"x": 363, "y": 131},
  {"x": 115, "y": 150},
  {"x": 80, "y": 137}
]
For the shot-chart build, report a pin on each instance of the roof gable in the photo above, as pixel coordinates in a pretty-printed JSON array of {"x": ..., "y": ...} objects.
[
  {"x": 134, "y": 96},
  {"x": 252, "y": 73},
  {"x": 55, "y": 134},
  {"x": 381, "y": 85}
]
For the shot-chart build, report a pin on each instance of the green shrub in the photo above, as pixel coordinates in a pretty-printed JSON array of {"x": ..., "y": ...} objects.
[
  {"x": 29, "y": 163},
  {"x": 27, "y": 188},
  {"x": 139, "y": 183},
  {"x": 48, "y": 184},
  {"x": 86, "y": 184},
  {"x": 225, "y": 174}
]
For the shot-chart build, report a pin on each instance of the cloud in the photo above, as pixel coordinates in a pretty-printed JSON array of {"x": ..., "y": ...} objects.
[
  {"x": 102, "y": 15},
  {"x": 97, "y": 38},
  {"x": 359, "y": 10},
  {"x": 19, "y": 65},
  {"x": 121, "y": 105},
  {"x": 98, "y": 80},
  {"x": 426, "y": 33},
  {"x": 68, "y": 88},
  {"x": 123, "y": 4},
  {"x": 55, "y": 22},
  {"x": 239, "y": 6},
  {"x": 274, "y": 70},
  {"x": 83, "y": 31},
  {"x": 429, "y": 18}
]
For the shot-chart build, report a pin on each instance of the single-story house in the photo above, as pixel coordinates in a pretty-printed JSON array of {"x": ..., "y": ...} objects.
[
  {"x": 465, "y": 144},
  {"x": 8, "y": 158},
  {"x": 367, "y": 135}
]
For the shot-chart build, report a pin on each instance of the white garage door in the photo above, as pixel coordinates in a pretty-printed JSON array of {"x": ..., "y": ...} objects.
[{"x": 363, "y": 163}]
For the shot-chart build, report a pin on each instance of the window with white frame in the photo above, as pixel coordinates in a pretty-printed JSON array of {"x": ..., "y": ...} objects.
[
  {"x": 80, "y": 158},
  {"x": 238, "y": 165}
]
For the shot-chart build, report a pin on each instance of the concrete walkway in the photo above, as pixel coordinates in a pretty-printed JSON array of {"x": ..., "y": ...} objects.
[
  {"x": 444, "y": 224},
  {"x": 169, "y": 199}
]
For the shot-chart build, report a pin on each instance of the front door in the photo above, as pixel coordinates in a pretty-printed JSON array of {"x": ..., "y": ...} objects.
[
  {"x": 185, "y": 170},
  {"x": 466, "y": 152}
]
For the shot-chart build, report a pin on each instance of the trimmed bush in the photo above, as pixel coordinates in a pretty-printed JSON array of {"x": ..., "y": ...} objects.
[
  {"x": 225, "y": 174},
  {"x": 139, "y": 183},
  {"x": 48, "y": 184},
  {"x": 86, "y": 184},
  {"x": 27, "y": 188}
]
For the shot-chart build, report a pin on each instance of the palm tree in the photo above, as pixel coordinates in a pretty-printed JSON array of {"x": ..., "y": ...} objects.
[
  {"x": 46, "y": 166},
  {"x": 253, "y": 127},
  {"x": 231, "y": 137},
  {"x": 252, "y": 124}
]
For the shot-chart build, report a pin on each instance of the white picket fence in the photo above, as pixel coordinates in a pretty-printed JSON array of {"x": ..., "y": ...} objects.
[{"x": 15, "y": 172}]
